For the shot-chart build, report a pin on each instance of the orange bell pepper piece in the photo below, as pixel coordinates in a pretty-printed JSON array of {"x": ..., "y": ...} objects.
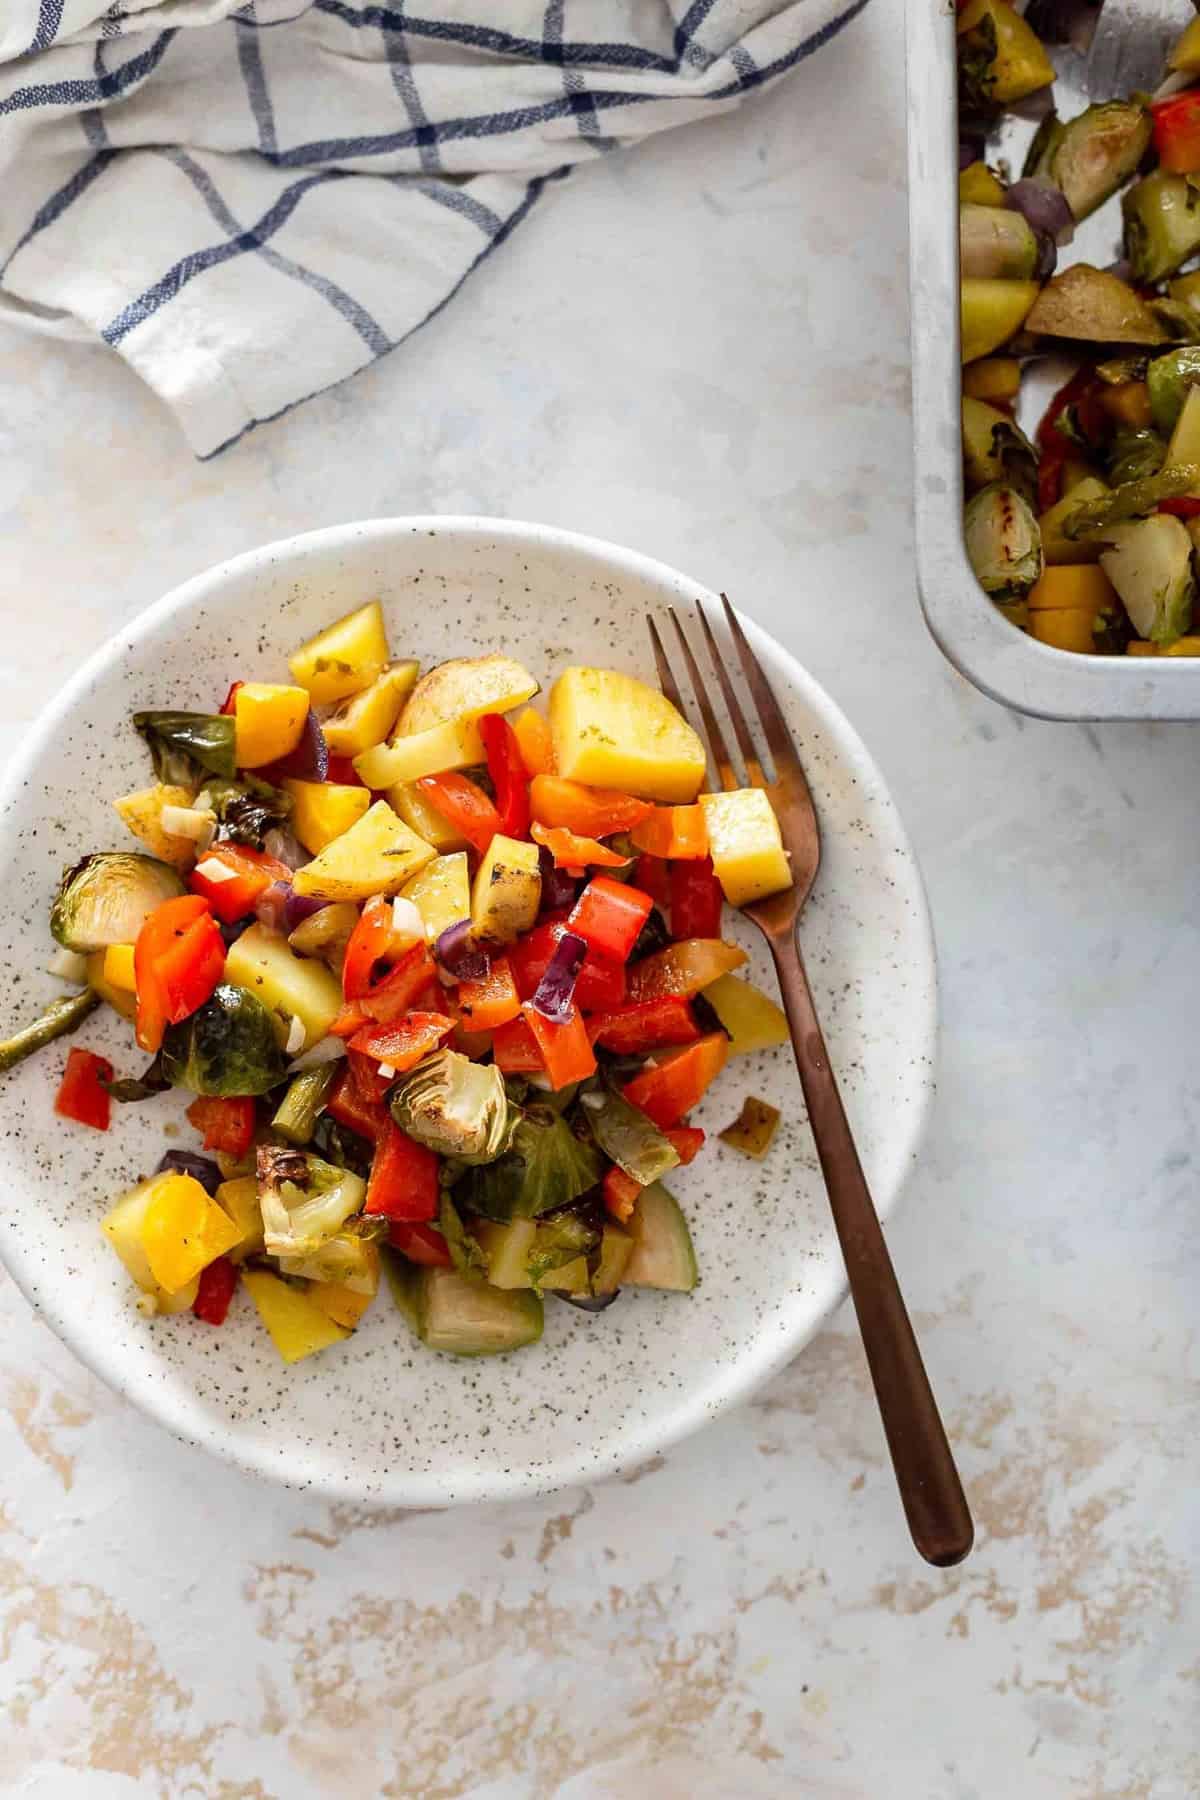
[
  {"x": 571, "y": 851},
  {"x": 593, "y": 812},
  {"x": 677, "y": 832}
]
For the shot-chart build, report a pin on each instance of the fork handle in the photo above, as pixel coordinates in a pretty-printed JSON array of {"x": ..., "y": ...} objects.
[{"x": 932, "y": 1494}]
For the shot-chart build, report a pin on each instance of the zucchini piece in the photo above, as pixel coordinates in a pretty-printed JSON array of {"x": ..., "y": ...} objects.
[
  {"x": 506, "y": 1248},
  {"x": 662, "y": 1255},
  {"x": 472, "y": 1318}
]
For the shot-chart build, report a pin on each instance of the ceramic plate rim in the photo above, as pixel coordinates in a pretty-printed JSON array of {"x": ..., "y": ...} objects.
[{"x": 767, "y": 1356}]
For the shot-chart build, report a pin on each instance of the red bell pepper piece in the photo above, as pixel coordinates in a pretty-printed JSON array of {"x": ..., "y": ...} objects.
[
  {"x": 507, "y": 770},
  {"x": 600, "y": 984},
  {"x": 364, "y": 1073},
  {"x": 565, "y": 1049},
  {"x": 570, "y": 851},
  {"x": 403, "y": 1183},
  {"x": 609, "y": 916},
  {"x": 677, "y": 832},
  {"x": 373, "y": 947},
  {"x": 653, "y": 877},
  {"x": 224, "y": 1124},
  {"x": 341, "y": 771},
  {"x": 1184, "y": 506},
  {"x": 620, "y": 1193},
  {"x": 646, "y": 1025},
  {"x": 483, "y": 1005},
  {"x": 400, "y": 1044},
  {"x": 696, "y": 900},
  {"x": 688, "y": 1141},
  {"x": 1177, "y": 132},
  {"x": 229, "y": 703},
  {"x": 401, "y": 987},
  {"x": 420, "y": 1243},
  {"x": 350, "y": 1108},
  {"x": 669, "y": 1088},
  {"x": 1082, "y": 393},
  {"x": 593, "y": 812},
  {"x": 80, "y": 1095},
  {"x": 251, "y": 873},
  {"x": 178, "y": 959},
  {"x": 217, "y": 1282},
  {"x": 465, "y": 806},
  {"x": 515, "y": 1050}
]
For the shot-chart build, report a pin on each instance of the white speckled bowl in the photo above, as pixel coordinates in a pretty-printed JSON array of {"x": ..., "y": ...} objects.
[{"x": 380, "y": 1418}]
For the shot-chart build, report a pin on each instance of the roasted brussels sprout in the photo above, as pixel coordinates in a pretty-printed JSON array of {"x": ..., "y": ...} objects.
[
  {"x": 1162, "y": 224},
  {"x": 996, "y": 449},
  {"x": 107, "y": 898},
  {"x": 1003, "y": 542},
  {"x": 228, "y": 1047},
  {"x": 305, "y": 1201},
  {"x": 454, "y": 1106},
  {"x": 1089, "y": 157},
  {"x": 548, "y": 1165}
]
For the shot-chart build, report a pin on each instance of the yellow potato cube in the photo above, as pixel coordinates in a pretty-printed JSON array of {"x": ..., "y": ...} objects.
[
  {"x": 269, "y": 720},
  {"x": 344, "y": 658},
  {"x": 744, "y": 842},
  {"x": 422, "y": 816},
  {"x": 507, "y": 891},
  {"x": 239, "y": 1198},
  {"x": 141, "y": 812},
  {"x": 611, "y": 730},
  {"x": 120, "y": 999},
  {"x": 1184, "y": 646},
  {"x": 322, "y": 810},
  {"x": 297, "y": 1326},
  {"x": 376, "y": 856},
  {"x": 441, "y": 893},
  {"x": 453, "y": 745},
  {"x": 118, "y": 967},
  {"x": 182, "y": 1231},
  {"x": 366, "y": 718},
  {"x": 293, "y": 987},
  {"x": 464, "y": 688}
]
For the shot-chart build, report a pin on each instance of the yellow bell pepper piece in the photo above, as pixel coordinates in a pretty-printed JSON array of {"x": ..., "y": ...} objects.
[
  {"x": 269, "y": 720},
  {"x": 322, "y": 810},
  {"x": 118, "y": 967},
  {"x": 183, "y": 1231},
  {"x": 752, "y": 1019},
  {"x": 344, "y": 1305},
  {"x": 297, "y": 1326}
]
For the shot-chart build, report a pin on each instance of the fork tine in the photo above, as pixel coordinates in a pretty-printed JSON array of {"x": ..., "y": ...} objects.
[
  {"x": 779, "y": 738},
  {"x": 716, "y": 737},
  {"x": 666, "y": 679},
  {"x": 733, "y": 705}
]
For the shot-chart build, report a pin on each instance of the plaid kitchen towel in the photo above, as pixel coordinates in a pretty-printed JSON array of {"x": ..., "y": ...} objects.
[{"x": 251, "y": 199}]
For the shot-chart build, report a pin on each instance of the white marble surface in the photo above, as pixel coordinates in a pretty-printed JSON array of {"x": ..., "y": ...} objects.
[{"x": 701, "y": 351}]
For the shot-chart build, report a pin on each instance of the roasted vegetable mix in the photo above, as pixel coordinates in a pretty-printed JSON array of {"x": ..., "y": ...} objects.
[
  {"x": 1084, "y": 534},
  {"x": 399, "y": 937}
]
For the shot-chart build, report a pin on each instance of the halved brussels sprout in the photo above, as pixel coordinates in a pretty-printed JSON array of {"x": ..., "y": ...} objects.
[
  {"x": 1091, "y": 156},
  {"x": 228, "y": 1047},
  {"x": 107, "y": 898},
  {"x": 996, "y": 449},
  {"x": 305, "y": 1201},
  {"x": 454, "y": 1106},
  {"x": 1003, "y": 542}
]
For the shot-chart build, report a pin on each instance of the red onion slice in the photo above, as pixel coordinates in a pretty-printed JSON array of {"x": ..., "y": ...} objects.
[
  {"x": 1044, "y": 206},
  {"x": 460, "y": 955},
  {"x": 309, "y": 761},
  {"x": 555, "y": 992},
  {"x": 200, "y": 1168},
  {"x": 559, "y": 890},
  {"x": 270, "y": 909},
  {"x": 285, "y": 848}
]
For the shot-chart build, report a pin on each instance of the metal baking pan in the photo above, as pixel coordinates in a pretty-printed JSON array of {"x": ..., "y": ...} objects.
[{"x": 1004, "y": 662}]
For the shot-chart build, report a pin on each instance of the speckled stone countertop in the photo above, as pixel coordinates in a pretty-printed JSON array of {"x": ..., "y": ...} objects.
[{"x": 699, "y": 350}]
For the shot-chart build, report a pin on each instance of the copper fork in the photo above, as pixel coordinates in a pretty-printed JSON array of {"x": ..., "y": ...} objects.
[{"x": 930, "y": 1490}]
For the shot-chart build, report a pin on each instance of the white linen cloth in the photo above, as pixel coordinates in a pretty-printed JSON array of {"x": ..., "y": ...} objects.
[{"x": 251, "y": 199}]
